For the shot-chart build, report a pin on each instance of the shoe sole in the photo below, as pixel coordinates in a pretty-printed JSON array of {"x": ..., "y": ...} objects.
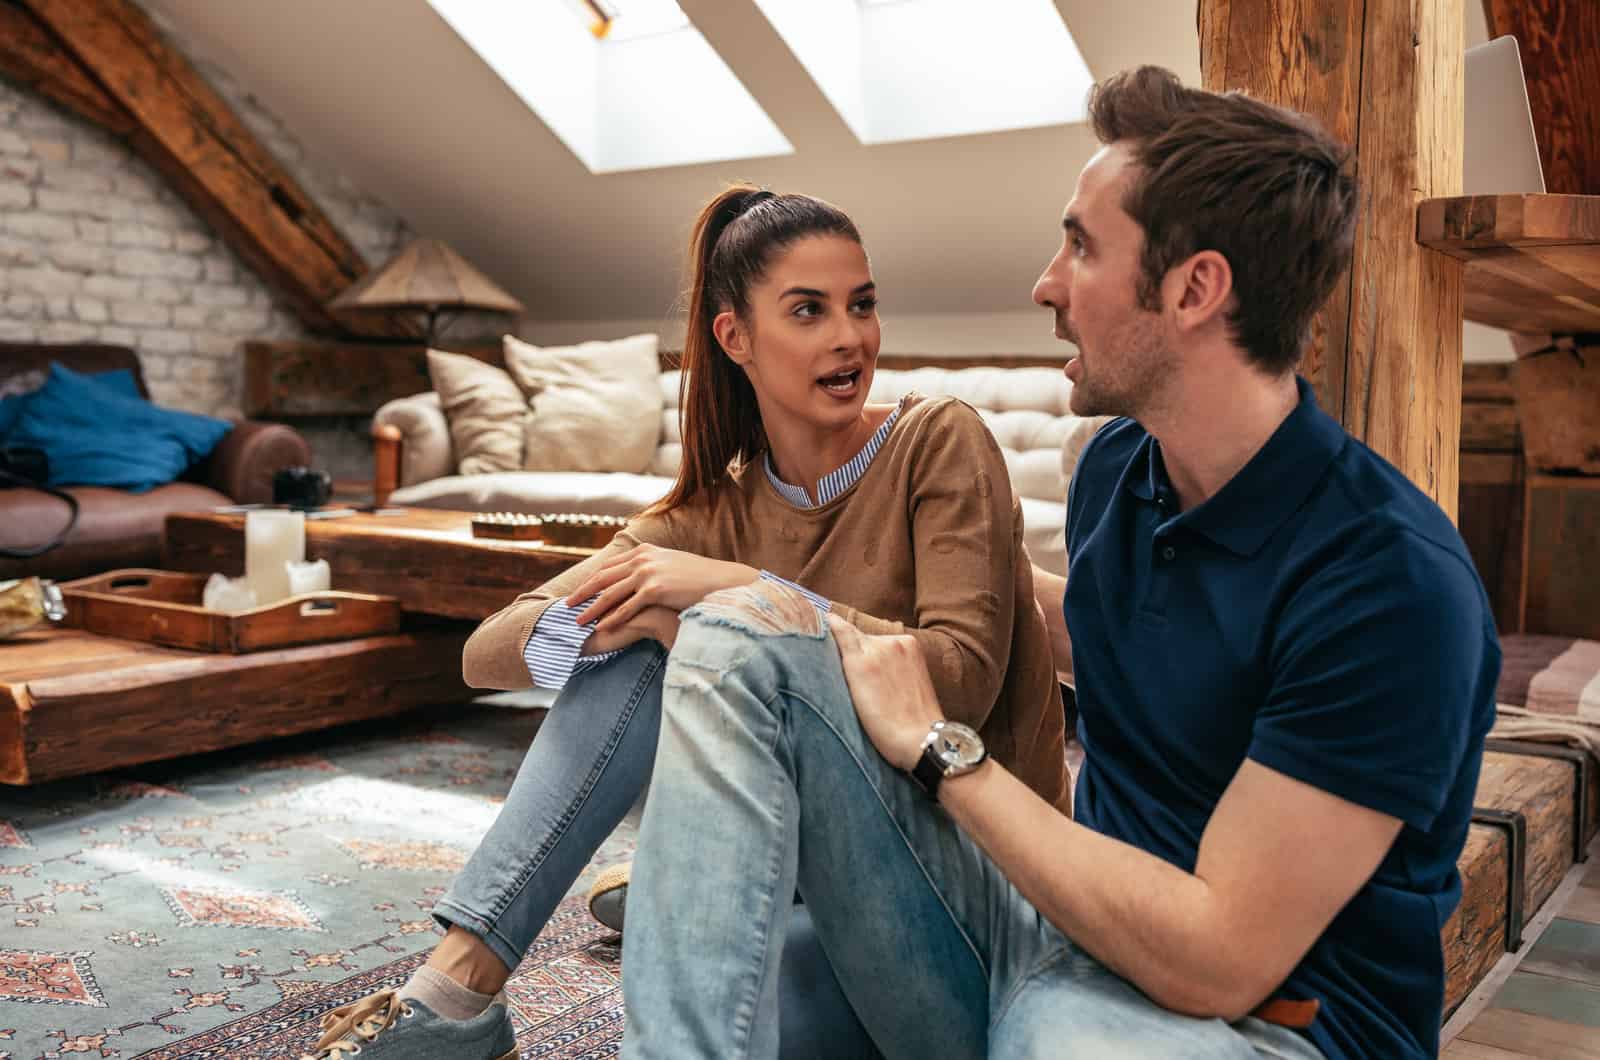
[
  {"x": 512, "y": 1055},
  {"x": 610, "y": 908},
  {"x": 608, "y": 898}
]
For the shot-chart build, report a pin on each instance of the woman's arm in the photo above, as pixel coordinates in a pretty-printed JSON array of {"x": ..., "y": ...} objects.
[
  {"x": 494, "y": 656},
  {"x": 967, "y": 537},
  {"x": 1050, "y": 593}
]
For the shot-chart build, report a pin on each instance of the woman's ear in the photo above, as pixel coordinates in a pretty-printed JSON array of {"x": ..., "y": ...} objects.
[{"x": 731, "y": 334}]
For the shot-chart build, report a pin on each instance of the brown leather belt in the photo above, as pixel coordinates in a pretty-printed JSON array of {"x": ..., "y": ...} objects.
[{"x": 1296, "y": 1015}]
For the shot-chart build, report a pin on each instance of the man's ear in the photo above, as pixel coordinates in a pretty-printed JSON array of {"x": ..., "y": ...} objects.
[
  {"x": 730, "y": 332},
  {"x": 1200, "y": 289}
]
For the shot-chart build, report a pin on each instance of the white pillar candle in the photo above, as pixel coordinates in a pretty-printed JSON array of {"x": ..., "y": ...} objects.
[
  {"x": 310, "y": 577},
  {"x": 272, "y": 540}
]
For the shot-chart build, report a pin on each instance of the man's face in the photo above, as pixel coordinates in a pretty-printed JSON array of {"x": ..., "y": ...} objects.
[{"x": 1124, "y": 357}]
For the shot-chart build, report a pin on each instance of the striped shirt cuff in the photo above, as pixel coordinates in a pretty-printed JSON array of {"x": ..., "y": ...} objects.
[
  {"x": 822, "y": 603},
  {"x": 553, "y": 654}
]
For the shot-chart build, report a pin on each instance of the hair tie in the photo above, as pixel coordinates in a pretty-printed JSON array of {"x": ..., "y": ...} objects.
[{"x": 754, "y": 199}]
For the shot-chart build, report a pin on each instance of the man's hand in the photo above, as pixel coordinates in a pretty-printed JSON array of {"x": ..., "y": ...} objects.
[
  {"x": 659, "y": 624},
  {"x": 893, "y": 694},
  {"x": 648, "y": 575}
]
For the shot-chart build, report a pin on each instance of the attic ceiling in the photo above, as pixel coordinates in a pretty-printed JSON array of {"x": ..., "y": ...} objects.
[{"x": 386, "y": 91}]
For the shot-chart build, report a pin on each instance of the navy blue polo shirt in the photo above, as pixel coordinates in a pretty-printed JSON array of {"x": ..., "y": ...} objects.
[{"x": 1321, "y": 616}]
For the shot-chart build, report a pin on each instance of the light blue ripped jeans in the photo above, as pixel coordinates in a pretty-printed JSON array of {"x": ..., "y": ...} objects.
[
  {"x": 585, "y": 769},
  {"x": 764, "y": 780}
]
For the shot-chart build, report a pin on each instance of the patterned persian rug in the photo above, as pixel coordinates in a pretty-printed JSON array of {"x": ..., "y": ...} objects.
[{"x": 216, "y": 906}]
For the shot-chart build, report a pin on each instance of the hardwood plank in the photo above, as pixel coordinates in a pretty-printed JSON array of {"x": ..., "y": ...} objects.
[
  {"x": 1568, "y": 949},
  {"x": 33, "y": 59},
  {"x": 1584, "y": 905},
  {"x": 1538, "y": 1036},
  {"x": 1560, "y": 45},
  {"x": 1461, "y": 1049},
  {"x": 1555, "y": 999}
]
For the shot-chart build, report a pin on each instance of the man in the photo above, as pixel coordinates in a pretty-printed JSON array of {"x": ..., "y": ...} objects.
[{"x": 1285, "y": 669}]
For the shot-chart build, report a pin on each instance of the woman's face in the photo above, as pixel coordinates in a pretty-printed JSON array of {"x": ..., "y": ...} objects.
[{"x": 809, "y": 342}]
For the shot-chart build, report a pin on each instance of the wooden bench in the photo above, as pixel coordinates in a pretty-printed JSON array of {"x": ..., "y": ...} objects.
[
  {"x": 1536, "y": 810},
  {"x": 73, "y": 702}
]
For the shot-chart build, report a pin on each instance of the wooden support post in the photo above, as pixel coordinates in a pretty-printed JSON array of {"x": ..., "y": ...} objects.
[{"x": 1385, "y": 77}]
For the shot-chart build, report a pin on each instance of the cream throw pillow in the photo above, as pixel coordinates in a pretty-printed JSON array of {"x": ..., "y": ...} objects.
[
  {"x": 594, "y": 407},
  {"x": 485, "y": 411}
]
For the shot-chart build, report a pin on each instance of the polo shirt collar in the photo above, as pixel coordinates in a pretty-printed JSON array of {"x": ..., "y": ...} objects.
[{"x": 1265, "y": 492}]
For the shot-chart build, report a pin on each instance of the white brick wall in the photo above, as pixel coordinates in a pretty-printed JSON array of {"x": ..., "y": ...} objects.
[{"x": 94, "y": 246}]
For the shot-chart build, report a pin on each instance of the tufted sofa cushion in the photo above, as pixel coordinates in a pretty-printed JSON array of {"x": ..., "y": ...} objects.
[{"x": 1025, "y": 408}]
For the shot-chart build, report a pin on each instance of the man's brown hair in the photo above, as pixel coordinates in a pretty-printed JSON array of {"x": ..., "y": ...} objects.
[{"x": 1263, "y": 186}]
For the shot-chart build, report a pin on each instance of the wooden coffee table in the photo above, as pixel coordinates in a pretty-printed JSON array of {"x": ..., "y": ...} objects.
[
  {"x": 73, "y": 702},
  {"x": 426, "y": 557}
]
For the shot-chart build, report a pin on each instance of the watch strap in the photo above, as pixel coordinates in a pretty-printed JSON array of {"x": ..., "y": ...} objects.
[{"x": 928, "y": 773}]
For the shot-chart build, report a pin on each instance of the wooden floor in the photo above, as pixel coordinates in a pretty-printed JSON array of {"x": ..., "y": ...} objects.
[{"x": 1549, "y": 1008}]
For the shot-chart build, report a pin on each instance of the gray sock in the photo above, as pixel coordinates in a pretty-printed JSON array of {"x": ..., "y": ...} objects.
[{"x": 445, "y": 996}]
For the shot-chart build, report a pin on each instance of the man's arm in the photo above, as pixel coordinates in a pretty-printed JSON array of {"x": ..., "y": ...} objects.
[
  {"x": 1278, "y": 860},
  {"x": 1049, "y": 592}
]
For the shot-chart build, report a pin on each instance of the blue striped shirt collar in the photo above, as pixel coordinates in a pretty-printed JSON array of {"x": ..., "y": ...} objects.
[{"x": 836, "y": 482}]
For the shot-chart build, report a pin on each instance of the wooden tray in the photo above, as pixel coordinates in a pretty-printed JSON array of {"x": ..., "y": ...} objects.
[{"x": 163, "y": 607}]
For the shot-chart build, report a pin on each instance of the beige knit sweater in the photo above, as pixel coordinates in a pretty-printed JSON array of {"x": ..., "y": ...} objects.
[{"x": 927, "y": 542}]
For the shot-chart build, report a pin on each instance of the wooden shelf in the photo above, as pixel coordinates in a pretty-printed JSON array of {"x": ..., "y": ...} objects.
[{"x": 1532, "y": 261}]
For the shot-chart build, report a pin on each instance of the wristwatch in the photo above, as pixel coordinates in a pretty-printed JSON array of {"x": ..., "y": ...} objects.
[{"x": 949, "y": 750}]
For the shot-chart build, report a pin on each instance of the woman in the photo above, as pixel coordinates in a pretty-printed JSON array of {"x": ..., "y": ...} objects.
[{"x": 898, "y": 518}]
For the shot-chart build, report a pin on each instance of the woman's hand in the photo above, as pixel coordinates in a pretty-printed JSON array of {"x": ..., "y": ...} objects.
[
  {"x": 650, "y": 576},
  {"x": 659, "y": 624}
]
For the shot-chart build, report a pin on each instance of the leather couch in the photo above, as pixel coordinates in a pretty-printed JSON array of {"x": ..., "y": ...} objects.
[{"x": 116, "y": 528}]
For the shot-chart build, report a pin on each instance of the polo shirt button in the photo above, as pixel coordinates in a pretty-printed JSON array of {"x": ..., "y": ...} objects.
[{"x": 1169, "y": 553}]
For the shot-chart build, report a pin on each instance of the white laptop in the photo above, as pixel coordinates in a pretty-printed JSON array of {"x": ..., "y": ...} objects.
[{"x": 1500, "y": 155}]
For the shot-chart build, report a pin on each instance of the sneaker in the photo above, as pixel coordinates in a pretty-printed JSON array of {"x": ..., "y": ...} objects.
[
  {"x": 608, "y": 898},
  {"x": 386, "y": 1026}
]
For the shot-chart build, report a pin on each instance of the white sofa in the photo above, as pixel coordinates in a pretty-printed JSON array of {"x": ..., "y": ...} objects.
[{"x": 1025, "y": 407}]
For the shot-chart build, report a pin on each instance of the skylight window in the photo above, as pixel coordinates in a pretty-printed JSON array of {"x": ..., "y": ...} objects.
[
  {"x": 619, "y": 20},
  {"x": 637, "y": 97},
  {"x": 917, "y": 69}
]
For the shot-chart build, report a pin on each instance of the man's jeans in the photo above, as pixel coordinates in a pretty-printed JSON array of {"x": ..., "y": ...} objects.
[
  {"x": 764, "y": 780},
  {"x": 585, "y": 769}
]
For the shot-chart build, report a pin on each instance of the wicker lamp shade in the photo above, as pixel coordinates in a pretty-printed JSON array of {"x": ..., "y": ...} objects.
[{"x": 427, "y": 277}]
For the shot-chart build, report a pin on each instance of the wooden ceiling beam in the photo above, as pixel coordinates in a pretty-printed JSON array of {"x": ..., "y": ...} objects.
[
  {"x": 189, "y": 134},
  {"x": 31, "y": 57}
]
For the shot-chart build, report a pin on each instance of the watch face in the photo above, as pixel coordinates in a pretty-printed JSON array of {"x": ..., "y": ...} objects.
[{"x": 958, "y": 746}]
